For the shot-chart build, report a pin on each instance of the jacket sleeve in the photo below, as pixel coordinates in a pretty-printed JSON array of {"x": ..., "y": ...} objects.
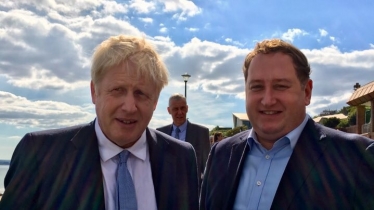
[
  {"x": 205, "y": 149},
  {"x": 364, "y": 190},
  {"x": 204, "y": 192},
  {"x": 21, "y": 180}
]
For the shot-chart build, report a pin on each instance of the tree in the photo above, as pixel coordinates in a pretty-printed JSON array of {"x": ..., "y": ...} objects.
[
  {"x": 343, "y": 125},
  {"x": 236, "y": 130},
  {"x": 332, "y": 122}
]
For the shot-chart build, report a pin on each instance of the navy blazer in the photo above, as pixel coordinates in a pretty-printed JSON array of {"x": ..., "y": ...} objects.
[
  {"x": 328, "y": 169},
  {"x": 198, "y": 136},
  {"x": 60, "y": 169}
]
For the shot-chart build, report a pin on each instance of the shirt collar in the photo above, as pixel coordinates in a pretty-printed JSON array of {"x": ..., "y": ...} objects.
[
  {"x": 108, "y": 149},
  {"x": 182, "y": 127},
  {"x": 293, "y": 136}
]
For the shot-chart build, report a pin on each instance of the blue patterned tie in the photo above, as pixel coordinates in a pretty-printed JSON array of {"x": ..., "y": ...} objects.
[
  {"x": 126, "y": 197},
  {"x": 177, "y": 131}
]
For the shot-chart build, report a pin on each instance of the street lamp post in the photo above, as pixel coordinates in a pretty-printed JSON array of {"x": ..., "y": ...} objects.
[
  {"x": 185, "y": 78},
  {"x": 356, "y": 86}
]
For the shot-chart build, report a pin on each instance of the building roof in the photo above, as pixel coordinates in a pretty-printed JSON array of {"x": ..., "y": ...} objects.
[
  {"x": 362, "y": 95},
  {"x": 339, "y": 116},
  {"x": 241, "y": 116}
]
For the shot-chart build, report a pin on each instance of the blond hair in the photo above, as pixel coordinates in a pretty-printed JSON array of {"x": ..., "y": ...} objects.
[{"x": 131, "y": 49}]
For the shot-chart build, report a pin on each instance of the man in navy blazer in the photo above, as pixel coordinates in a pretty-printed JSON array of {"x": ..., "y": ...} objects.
[
  {"x": 286, "y": 161},
  {"x": 196, "y": 135},
  {"x": 78, "y": 167}
]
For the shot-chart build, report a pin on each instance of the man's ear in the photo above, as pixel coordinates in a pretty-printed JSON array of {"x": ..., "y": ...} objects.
[
  {"x": 308, "y": 92},
  {"x": 169, "y": 110},
  {"x": 186, "y": 108},
  {"x": 155, "y": 105},
  {"x": 93, "y": 92}
]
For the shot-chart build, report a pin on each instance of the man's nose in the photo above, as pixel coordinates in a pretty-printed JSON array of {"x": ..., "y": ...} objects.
[
  {"x": 268, "y": 98},
  {"x": 129, "y": 103}
]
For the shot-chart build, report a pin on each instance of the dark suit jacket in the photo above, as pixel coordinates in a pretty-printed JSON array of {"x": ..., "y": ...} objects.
[
  {"x": 328, "y": 169},
  {"x": 60, "y": 169},
  {"x": 198, "y": 136}
]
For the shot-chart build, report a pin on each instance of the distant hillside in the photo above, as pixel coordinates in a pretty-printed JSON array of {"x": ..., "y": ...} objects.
[{"x": 4, "y": 162}]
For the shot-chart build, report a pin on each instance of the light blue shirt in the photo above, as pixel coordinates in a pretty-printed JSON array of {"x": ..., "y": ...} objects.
[
  {"x": 263, "y": 170},
  {"x": 183, "y": 130}
]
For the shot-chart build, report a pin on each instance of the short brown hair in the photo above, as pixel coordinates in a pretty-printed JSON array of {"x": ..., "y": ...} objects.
[
  {"x": 216, "y": 135},
  {"x": 277, "y": 45}
]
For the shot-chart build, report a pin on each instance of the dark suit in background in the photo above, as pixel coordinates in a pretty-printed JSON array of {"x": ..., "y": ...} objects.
[
  {"x": 198, "y": 137},
  {"x": 60, "y": 169},
  {"x": 328, "y": 169}
]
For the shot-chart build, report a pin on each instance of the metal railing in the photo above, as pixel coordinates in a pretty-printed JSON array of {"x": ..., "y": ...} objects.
[{"x": 366, "y": 128}]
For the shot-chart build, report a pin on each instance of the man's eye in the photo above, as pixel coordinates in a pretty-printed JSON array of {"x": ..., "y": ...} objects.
[
  {"x": 139, "y": 92},
  {"x": 281, "y": 87},
  {"x": 117, "y": 89},
  {"x": 255, "y": 87}
]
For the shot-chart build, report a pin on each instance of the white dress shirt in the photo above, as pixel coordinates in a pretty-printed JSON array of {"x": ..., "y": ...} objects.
[{"x": 139, "y": 167}]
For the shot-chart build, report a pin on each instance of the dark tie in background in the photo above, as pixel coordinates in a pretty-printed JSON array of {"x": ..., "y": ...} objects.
[
  {"x": 126, "y": 197},
  {"x": 177, "y": 131}
]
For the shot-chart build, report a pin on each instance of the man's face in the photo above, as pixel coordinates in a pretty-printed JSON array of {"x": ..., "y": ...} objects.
[
  {"x": 275, "y": 99},
  {"x": 124, "y": 104},
  {"x": 178, "y": 110}
]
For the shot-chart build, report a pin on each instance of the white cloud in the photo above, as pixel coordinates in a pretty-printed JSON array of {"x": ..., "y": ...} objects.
[
  {"x": 292, "y": 33},
  {"x": 323, "y": 32},
  {"x": 146, "y": 20},
  {"x": 192, "y": 29},
  {"x": 371, "y": 45},
  {"x": 163, "y": 30},
  {"x": 332, "y": 38},
  {"x": 236, "y": 43},
  {"x": 142, "y": 6},
  {"x": 69, "y": 7},
  {"x": 182, "y": 9},
  {"x": 21, "y": 112},
  {"x": 333, "y": 56},
  {"x": 187, "y": 8},
  {"x": 44, "y": 79},
  {"x": 57, "y": 49}
]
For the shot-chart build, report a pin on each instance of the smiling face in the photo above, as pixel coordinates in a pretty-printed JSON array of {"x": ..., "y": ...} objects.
[
  {"x": 124, "y": 104},
  {"x": 178, "y": 109},
  {"x": 275, "y": 99}
]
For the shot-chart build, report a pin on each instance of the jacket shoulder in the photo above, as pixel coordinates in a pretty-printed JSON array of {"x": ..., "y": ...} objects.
[{"x": 197, "y": 126}]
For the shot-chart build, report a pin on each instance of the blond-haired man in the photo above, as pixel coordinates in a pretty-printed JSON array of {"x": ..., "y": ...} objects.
[{"x": 81, "y": 167}]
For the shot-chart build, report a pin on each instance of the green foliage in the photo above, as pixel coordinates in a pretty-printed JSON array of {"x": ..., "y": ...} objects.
[
  {"x": 343, "y": 125},
  {"x": 216, "y": 129},
  {"x": 332, "y": 122},
  {"x": 235, "y": 130}
]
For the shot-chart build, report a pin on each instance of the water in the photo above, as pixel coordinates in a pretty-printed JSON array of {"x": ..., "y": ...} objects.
[{"x": 3, "y": 170}]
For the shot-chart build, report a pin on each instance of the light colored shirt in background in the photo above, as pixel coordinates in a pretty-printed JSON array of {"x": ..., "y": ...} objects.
[
  {"x": 183, "y": 130},
  {"x": 263, "y": 170},
  {"x": 139, "y": 167}
]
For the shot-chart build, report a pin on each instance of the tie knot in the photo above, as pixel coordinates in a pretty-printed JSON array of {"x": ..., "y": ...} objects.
[
  {"x": 123, "y": 156},
  {"x": 177, "y": 130}
]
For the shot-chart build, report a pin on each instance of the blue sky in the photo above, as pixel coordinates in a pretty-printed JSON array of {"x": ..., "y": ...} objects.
[{"x": 46, "y": 48}]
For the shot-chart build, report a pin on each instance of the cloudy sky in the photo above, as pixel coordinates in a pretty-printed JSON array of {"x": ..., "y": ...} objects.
[{"x": 46, "y": 47}]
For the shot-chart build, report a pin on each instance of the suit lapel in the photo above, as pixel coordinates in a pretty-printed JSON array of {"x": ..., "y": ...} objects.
[
  {"x": 308, "y": 150},
  {"x": 189, "y": 135},
  {"x": 169, "y": 129},
  {"x": 83, "y": 167},
  {"x": 162, "y": 166},
  {"x": 235, "y": 168}
]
